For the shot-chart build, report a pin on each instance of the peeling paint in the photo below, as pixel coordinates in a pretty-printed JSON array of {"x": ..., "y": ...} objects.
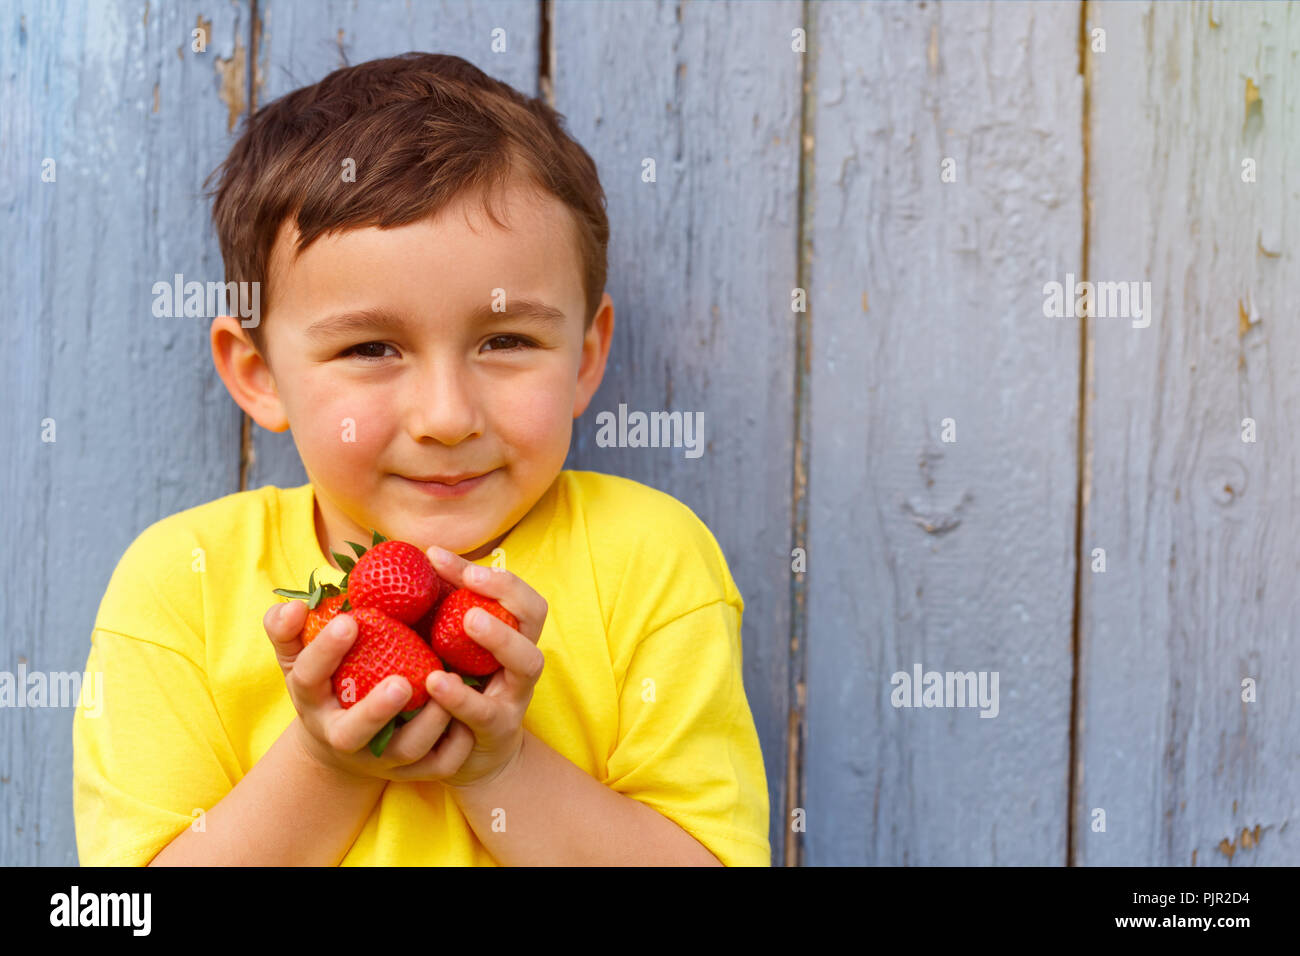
[
  {"x": 155, "y": 97},
  {"x": 1248, "y": 838},
  {"x": 1254, "y": 105},
  {"x": 865, "y": 307},
  {"x": 1272, "y": 241},
  {"x": 234, "y": 81},
  {"x": 1246, "y": 316},
  {"x": 259, "y": 58}
]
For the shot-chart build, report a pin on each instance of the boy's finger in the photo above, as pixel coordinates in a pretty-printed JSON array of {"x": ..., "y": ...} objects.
[
  {"x": 506, "y": 587},
  {"x": 283, "y": 621},
  {"x": 282, "y": 627},
  {"x": 416, "y": 737},
  {"x": 321, "y": 658},
  {"x": 443, "y": 760},
  {"x": 463, "y": 702},
  {"x": 521, "y": 658},
  {"x": 352, "y": 729}
]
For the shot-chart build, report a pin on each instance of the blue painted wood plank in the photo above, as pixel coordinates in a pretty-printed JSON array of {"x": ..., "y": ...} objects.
[
  {"x": 702, "y": 262},
  {"x": 954, "y": 555},
  {"x": 132, "y": 119}
]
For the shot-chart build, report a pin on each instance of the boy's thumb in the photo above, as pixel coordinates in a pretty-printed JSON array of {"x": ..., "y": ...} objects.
[{"x": 280, "y": 620}]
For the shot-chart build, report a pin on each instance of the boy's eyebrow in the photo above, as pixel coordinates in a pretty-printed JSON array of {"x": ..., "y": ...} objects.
[{"x": 365, "y": 320}]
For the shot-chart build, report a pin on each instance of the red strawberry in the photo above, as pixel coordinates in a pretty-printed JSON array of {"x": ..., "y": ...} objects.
[
  {"x": 324, "y": 601},
  {"x": 394, "y": 577},
  {"x": 383, "y": 647},
  {"x": 321, "y": 615},
  {"x": 450, "y": 642},
  {"x": 424, "y": 626}
]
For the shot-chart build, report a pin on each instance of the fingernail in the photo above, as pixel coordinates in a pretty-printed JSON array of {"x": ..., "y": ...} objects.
[
  {"x": 440, "y": 555},
  {"x": 435, "y": 683},
  {"x": 474, "y": 619},
  {"x": 397, "y": 691},
  {"x": 476, "y": 574}
]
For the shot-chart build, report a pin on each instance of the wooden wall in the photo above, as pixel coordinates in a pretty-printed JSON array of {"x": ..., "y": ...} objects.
[{"x": 945, "y": 458}]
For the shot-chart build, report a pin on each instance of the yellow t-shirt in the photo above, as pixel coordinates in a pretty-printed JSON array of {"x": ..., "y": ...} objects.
[{"x": 642, "y": 687}]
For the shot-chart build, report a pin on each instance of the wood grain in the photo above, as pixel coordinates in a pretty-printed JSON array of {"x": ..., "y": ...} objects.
[
  {"x": 142, "y": 425},
  {"x": 927, "y": 305},
  {"x": 701, "y": 266},
  {"x": 1197, "y": 525}
]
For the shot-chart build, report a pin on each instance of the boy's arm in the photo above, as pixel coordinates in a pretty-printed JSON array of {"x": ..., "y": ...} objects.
[
  {"x": 288, "y": 810},
  {"x": 150, "y": 754},
  {"x": 557, "y": 815},
  {"x": 684, "y": 785}
]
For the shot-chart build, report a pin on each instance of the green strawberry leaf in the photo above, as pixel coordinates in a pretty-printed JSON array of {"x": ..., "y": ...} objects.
[
  {"x": 297, "y": 595},
  {"x": 360, "y": 549},
  {"x": 406, "y": 715},
  {"x": 377, "y": 537},
  {"x": 473, "y": 681},
  {"x": 380, "y": 740},
  {"x": 345, "y": 562},
  {"x": 346, "y": 606}
]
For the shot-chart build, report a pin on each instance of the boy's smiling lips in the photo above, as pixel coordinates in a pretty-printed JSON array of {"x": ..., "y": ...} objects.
[{"x": 448, "y": 486}]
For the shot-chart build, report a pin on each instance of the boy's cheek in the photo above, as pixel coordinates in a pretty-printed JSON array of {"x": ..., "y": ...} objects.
[
  {"x": 344, "y": 432},
  {"x": 537, "y": 417}
]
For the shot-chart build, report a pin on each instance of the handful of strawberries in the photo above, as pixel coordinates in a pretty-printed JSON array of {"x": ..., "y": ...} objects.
[{"x": 410, "y": 622}]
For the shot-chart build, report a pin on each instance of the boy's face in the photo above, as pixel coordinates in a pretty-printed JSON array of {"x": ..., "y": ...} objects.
[{"x": 444, "y": 387}]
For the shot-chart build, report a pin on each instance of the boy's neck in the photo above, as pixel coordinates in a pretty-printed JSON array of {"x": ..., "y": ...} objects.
[{"x": 328, "y": 547}]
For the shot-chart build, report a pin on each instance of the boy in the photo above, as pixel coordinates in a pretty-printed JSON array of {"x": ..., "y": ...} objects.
[{"x": 429, "y": 362}]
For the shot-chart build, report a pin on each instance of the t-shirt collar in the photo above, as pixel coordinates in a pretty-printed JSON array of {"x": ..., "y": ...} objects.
[{"x": 304, "y": 554}]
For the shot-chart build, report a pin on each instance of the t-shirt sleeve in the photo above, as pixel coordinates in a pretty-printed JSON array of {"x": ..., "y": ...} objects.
[
  {"x": 687, "y": 746},
  {"x": 149, "y": 748},
  {"x": 149, "y": 758}
]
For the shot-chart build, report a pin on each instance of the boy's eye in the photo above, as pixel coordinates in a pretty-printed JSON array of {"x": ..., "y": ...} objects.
[
  {"x": 518, "y": 343},
  {"x": 367, "y": 350}
]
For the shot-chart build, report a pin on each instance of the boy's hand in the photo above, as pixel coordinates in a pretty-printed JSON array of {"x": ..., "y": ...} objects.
[
  {"x": 337, "y": 736},
  {"x": 495, "y": 715}
]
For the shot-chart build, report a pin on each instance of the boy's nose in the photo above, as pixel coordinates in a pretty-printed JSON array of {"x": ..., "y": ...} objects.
[{"x": 442, "y": 405}]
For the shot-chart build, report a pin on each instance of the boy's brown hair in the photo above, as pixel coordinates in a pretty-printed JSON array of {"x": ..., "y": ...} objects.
[{"x": 422, "y": 128}]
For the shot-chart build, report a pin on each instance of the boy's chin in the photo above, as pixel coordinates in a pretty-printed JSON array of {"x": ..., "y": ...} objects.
[{"x": 453, "y": 535}]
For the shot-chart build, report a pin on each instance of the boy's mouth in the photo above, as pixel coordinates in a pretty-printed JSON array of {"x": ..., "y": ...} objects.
[{"x": 449, "y": 486}]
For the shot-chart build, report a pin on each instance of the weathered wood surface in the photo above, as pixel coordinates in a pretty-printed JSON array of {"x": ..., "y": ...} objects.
[
  {"x": 927, "y": 305},
  {"x": 701, "y": 264},
  {"x": 143, "y": 428},
  {"x": 1198, "y": 526},
  {"x": 924, "y": 303}
]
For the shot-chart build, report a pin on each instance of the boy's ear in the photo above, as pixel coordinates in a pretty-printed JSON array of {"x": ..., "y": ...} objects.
[
  {"x": 595, "y": 350},
  {"x": 246, "y": 374}
]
